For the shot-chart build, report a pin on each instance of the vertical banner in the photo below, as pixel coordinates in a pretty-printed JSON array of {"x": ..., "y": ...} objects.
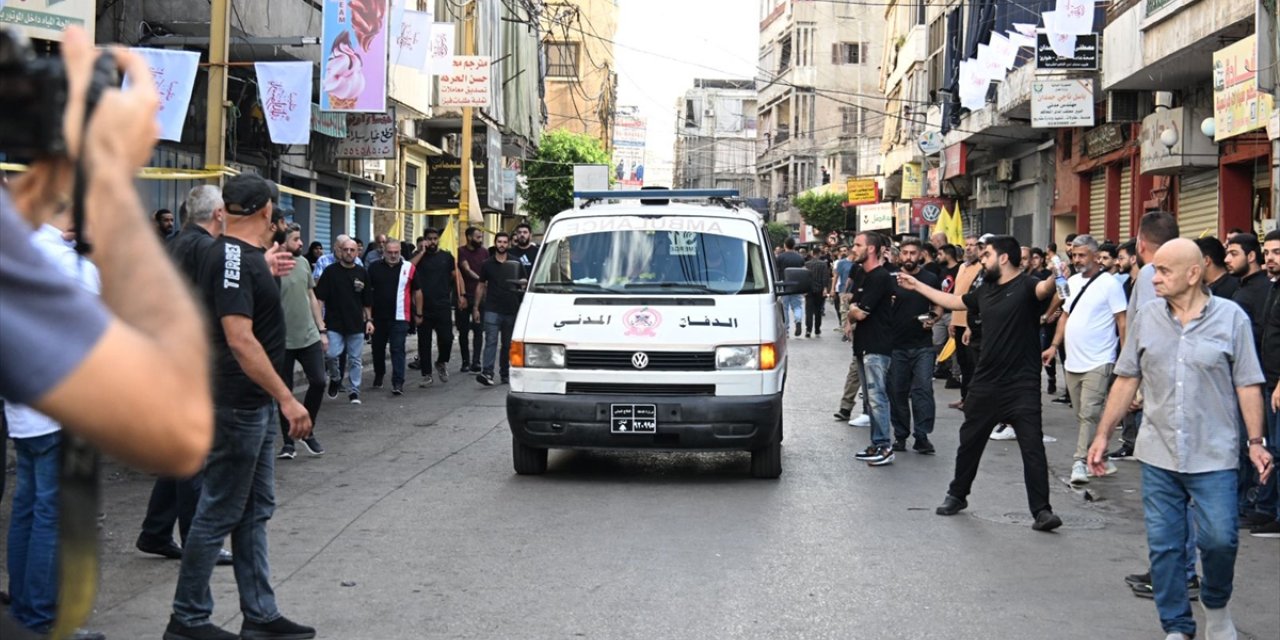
[
  {"x": 284, "y": 88},
  {"x": 353, "y": 70},
  {"x": 413, "y": 40},
  {"x": 174, "y": 73},
  {"x": 441, "y": 50}
]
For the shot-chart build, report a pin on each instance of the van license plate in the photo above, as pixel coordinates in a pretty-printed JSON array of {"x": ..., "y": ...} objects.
[{"x": 633, "y": 418}]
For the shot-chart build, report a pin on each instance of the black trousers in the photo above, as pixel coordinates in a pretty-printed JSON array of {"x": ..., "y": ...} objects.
[
  {"x": 814, "y": 305},
  {"x": 983, "y": 410},
  {"x": 312, "y": 360},
  {"x": 1046, "y": 338},
  {"x": 439, "y": 322},
  {"x": 472, "y": 349},
  {"x": 172, "y": 500},
  {"x": 965, "y": 354},
  {"x": 4, "y": 447}
]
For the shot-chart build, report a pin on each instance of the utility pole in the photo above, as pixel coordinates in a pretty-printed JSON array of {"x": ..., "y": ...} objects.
[
  {"x": 215, "y": 130},
  {"x": 464, "y": 195}
]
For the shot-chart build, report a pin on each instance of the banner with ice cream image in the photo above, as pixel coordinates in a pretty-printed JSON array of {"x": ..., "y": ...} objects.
[{"x": 353, "y": 67}]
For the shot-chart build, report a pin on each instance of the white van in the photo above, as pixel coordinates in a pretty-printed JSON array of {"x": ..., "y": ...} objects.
[{"x": 652, "y": 325}]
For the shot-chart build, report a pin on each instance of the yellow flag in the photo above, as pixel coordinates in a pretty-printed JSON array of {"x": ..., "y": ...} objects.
[{"x": 955, "y": 230}]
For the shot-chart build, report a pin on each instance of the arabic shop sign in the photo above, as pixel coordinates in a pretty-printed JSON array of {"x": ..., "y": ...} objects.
[
  {"x": 369, "y": 135},
  {"x": 1103, "y": 140},
  {"x": 467, "y": 85},
  {"x": 1238, "y": 107},
  {"x": 329, "y": 123},
  {"x": 47, "y": 20},
  {"x": 862, "y": 191},
  {"x": 875, "y": 216},
  {"x": 1085, "y": 58},
  {"x": 1062, "y": 103},
  {"x": 444, "y": 181}
]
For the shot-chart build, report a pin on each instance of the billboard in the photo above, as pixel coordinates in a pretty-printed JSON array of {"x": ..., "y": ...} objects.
[
  {"x": 353, "y": 64},
  {"x": 628, "y": 149}
]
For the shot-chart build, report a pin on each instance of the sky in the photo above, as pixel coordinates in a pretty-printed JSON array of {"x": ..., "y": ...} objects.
[{"x": 662, "y": 45}]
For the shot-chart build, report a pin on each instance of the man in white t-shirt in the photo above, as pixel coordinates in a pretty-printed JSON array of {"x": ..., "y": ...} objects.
[{"x": 1092, "y": 324}]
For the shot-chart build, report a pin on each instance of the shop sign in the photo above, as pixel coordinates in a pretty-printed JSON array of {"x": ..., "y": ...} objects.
[
  {"x": 329, "y": 123},
  {"x": 1190, "y": 147},
  {"x": 1062, "y": 103},
  {"x": 991, "y": 195},
  {"x": 902, "y": 217},
  {"x": 369, "y": 135},
  {"x": 875, "y": 216},
  {"x": 1102, "y": 140},
  {"x": 444, "y": 181},
  {"x": 954, "y": 161},
  {"x": 1085, "y": 58},
  {"x": 912, "y": 181},
  {"x": 862, "y": 191},
  {"x": 1238, "y": 106},
  {"x": 933, "y": 182},
  {"x": 927, "y": 211},
  {"x": 930, "y": 143}
]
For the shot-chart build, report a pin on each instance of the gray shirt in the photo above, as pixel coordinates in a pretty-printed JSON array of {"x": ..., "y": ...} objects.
[
  {"x": 1144, "y": 291},
  {"x": 1189, "y": 377}
]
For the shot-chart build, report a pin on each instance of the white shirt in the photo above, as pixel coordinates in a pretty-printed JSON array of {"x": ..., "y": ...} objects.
[
  {"x": 25, "y": 422},
  {"x": 1091, "y": 338}
]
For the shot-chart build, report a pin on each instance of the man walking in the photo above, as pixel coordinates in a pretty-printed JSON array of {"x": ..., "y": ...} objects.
[
  {"x": 872, "y": 310},
  {"x": 1093, "y": 325},
  {"x": 1220, "y": 282},
  {"x": 501, "y": 304},
  {"x": 392, "y": 280},
  {"x": 329, "y": 259},
  {"x": 435, "y": 287},
  {"x": 522, "y": 248},
  {"x": 348, "y": 314},
  {"x": 305, "y": 340},
  {"x": 789, "y": 259},
  {"x": 911, "y": 372},
  {"x": 815, "y": 303},
  {"x": 1192, "y": 354},
  {"x": 1006, "y": 381},
  {"x": 239, "y": 496},
  {"x": 1265, "y": 523},
  {"x": 471, "y": 257}
]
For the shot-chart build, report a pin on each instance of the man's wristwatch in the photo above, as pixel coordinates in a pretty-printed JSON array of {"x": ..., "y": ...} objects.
[{"x": 1260, "y": 441}]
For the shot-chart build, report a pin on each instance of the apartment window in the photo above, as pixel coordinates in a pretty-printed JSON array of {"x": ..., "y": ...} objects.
[
  {"x": 562, "y": 59},
  {"x": 849, "y": 163},
  {"x": 411, "y": 187},
  {"x": 848, "y": 53},
  {"x": 784, "y": 55},
  {"x": 853, "y": 121}
]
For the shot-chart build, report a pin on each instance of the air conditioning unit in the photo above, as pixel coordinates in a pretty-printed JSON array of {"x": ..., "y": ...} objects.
[
  {"x": 1128, "y": 106},
  {"x": 1004, "y": 170},
  {"x": 408, "y": 128}
]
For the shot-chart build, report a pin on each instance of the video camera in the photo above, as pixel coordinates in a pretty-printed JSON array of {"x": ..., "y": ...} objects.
[{"x": 33, "y": 97}]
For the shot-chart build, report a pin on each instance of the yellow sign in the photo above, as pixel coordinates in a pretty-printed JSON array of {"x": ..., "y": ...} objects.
[
  {"x": 1238, "y": 107},
  {"x": 912, "y": 181},
  {"x": 862, "y": 191}
]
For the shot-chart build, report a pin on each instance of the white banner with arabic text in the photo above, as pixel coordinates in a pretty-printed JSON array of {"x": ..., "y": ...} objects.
[{"x": 284, "y": 88}]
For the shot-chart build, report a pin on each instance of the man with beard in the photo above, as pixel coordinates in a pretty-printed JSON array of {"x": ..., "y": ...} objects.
[
  {"x": 501, "y": 304},
  {"x": 872, "y": 310},
  {"x": 1107, "y": 258},
  {"x": 392, "y": 279},
  {"x": 1244, "y": 261},
  {"x": 1127, "y": 257},
  {"x": 1006, "y": 381},
  {"x": 471, "y": 257},
  {"x": 911, "y": 371},
  {"x": 1220, "y": 282},
  {"x": 1266, "y": 522},
  {"x": 434, "y": 284},
  {"x": 523, "y": 250},
  {"x": 348, "y": 314},
  {"x": 165, "y": 223},
  {"x": 305, "y": 339}
]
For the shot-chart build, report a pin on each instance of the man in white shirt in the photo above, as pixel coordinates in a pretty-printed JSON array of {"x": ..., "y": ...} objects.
[{"x": 1092, "y": 324}]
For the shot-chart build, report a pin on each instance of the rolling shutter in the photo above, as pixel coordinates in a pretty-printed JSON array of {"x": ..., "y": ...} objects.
[
  {"x": 1126, "y": 202},
  {"x": 1261, "y": 176},
  {"x": 1098, "y": 203},
  {"x": 324, "y": 224},
  {"x": 1198, "y": 204}
]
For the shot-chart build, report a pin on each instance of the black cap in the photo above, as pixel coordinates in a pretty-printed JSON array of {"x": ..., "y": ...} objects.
[{"x": 245, "y": 194}]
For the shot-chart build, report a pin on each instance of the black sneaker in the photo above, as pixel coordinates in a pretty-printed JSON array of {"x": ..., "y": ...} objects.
[
  {"x": 377, "y": 382},
  {"x": 465, "y": 368},
  {"x": 868, "y": 453},
  {"x": 1138, "y": 578},
  {"x": 506, "y": 379},
  {"x": 442, "y": 372},
  {"x": 1253, "y": 520},
  {"x": 1053, "y": 388},
  {"x": 1061, "y": 400},
  {"x": 883, "y": 457},
  {"x": 1125, "y": 452},
  {"x": 333, "y": 389},
  {"x": 900, "y": 444},
  {"x": 312, "y": 446},
  {"x": 808, "y": 334},
  {"x": 485, "y": 379},
  {"x": 427, "y": 381},
  {"x": 951, "y": 505},
  {"x": 952, "y": 384},
  {"x": 1148, "y": 592},
  {"x": 841, "y": 415},
  {"x": 797, "y": 329},
  {"x": 1268, "y": 530},
  {"x": 281, "y": 628},
  {"x": 1046, "y": 521},
  {"x": 475, "y": 367},
  {"x": 395, "y": 391},
  {"x": 178, "y": 631},
  {"x": 287, "y": 452},
  {"x": 817, "y": 332},
  {"x": 415, "y": 363},
  {"x": 923, "y": 446},
  {"x": 354, "y": 398}
]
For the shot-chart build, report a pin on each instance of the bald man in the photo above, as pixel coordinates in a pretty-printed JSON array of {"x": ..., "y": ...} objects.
[{"x": 1192, "y": 355}]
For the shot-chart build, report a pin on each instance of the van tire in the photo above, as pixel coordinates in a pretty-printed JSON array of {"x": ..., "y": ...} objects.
[
  {"x": 528, "y": 461},
  {"x": 767, "y": 462}
]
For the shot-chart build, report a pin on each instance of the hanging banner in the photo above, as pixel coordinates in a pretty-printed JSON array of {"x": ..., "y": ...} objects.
[
  {"x": 1238, "y": 107},
  {"x": 1006, "y": 52},
  {"x": 1075, "y": 17},
  {"x": 862, "y": 191},
  {"x": 933, "y": 182},
  {"x": 441, "y": 48},
  {"x": 1062, "y": 42},
  {"x": 369, "y": 135},
  {"x": 1062, "y": 103},
  {"x": 284, "y": 89},
  {"x": 353, "y": 69},
  {"x": 912, "y": 181},
  {"x": 174, "y": 73},
  {"x": 989, "y": 64},
  {"x": 413, "y": 40},
  {"x": 1084, "y": 57},
  {"x": 467, "y": 85}
]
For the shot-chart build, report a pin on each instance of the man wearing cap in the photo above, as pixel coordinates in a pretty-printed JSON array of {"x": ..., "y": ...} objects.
[{"x": 238, "y": 495}]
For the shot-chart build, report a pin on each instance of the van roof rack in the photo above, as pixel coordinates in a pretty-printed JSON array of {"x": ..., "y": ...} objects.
[{"x": 659, "y": 196}]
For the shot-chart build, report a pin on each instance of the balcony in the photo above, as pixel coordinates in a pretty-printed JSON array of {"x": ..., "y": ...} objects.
[
  {"x": 913, "y": 51},
  {"x": 1170, "y": 47}
]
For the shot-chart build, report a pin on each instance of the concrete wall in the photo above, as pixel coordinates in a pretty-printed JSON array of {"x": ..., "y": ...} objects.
[{"x": 583, "y": 105}]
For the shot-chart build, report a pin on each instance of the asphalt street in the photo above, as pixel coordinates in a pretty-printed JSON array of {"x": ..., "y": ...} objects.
[{"x": 413, "y": 525}]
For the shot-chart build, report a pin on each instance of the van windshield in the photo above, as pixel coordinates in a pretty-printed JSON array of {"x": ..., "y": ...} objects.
[{"x": 630, "y": 261}]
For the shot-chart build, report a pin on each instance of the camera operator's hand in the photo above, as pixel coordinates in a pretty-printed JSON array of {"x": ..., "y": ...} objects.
[{"x": 123, "y": 128}]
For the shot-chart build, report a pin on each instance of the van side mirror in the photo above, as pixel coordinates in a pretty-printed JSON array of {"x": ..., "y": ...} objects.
[
  {"x": 513, "y": 274},
  {"x": 796, "y": 280}
]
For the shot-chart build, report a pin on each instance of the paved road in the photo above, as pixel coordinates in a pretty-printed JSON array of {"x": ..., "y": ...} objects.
[{"x": 414, "y": 526}]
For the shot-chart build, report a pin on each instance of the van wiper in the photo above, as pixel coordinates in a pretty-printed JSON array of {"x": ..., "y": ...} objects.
[
  {"x": 692, "y": 286},
  {"x": 567, "y": 287}
]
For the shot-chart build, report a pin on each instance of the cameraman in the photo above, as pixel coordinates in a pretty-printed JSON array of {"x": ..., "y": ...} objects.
[{"x": 128, "y": 373}]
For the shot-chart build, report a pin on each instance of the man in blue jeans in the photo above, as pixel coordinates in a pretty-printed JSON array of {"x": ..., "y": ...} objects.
[
  {"x": 348, "y": 314},
  {"x": 239, "y": 478},
  {"x": 1193, "y": 356},
  {"x": 872, "y": 309},
  {"x": 790, "y": 259},
  {"x": 501, "y": 303},
  {"x": 911, "y": 374}
]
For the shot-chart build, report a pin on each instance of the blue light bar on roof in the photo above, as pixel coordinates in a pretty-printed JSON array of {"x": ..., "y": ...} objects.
[{"x": 636, "y": 194}]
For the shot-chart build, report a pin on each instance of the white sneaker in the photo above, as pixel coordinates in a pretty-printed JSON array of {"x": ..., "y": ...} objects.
[
  {"x": 863, "y": 420},
  {"x": 1111, "y": 469},
  {"x": 1005, "y": 432},
  {"x": 1218, "y": 624},
  {"x": 1079, "y": 473}
]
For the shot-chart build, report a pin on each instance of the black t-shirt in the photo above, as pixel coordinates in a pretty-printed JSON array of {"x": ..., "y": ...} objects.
[
  {"x": 434, "y": 278},
  {"x": 499, "y": 296},
  {"x": 1225, "y": 286},
  {"x": 1010, "y": 357},
  {"x": 1252, "y": 297},
  {"x": 345, "y": 293},
  {"x": 788, "y": 260},
  {"x": 238, "y": 282},
  {"x": 525, "y": 256},
  {"x": 1271, "y": 337},
  {"x": 908, "y": 306},
  {"x": 947, "y": 278},
  {"x": 873, "y": 293},
  {"x": 189, "y": 249}
]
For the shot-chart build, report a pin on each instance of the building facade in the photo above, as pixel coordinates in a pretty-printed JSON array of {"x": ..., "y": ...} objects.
[
  {"x": 581, "y": 77},
  {"x": 717, "y": 136}
]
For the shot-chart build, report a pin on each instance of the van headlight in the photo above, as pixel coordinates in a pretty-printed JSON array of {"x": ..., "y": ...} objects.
[
  {"x": 544, "y": 356},
  {"x": 740, "y": 357}
]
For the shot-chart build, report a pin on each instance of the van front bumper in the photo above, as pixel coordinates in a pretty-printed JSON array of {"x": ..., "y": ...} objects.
[{"x": 732, "y": 423}]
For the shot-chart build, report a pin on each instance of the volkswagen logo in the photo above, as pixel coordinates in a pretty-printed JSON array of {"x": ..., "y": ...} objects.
[{"x": 639, "y": 359}]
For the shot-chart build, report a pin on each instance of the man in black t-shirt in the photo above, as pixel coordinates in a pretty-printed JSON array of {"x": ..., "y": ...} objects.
[
  {"x": 815, "y": 301},
  {"x": 238, "y": 498},
  {"x": 344, "y": 291},
  {"x": 911, "y": 372},
  {"x": 434, "y": 291},
  {"x": 1006, "y": 381},
  {"x": 522, "y": 248},
  {"x": 872, "y": 310},
  {"x": 501, "y": 304},
  {"x": 790, "y": 259}
]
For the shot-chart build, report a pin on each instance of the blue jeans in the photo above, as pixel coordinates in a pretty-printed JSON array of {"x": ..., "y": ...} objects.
[
  {"x": 1212, "y": 496},
  {"x": 911, "y": 392},
  {"x": 497, "y": 325},
  {"x": 352, "y": 345},
  {"x": 875, "y": 383},
  {"x": 795, "y": 308},
  {"x": 1269, "y": 494},
  {"x": 33, "y": 532},
  {"x": 238, "y": 500}
]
